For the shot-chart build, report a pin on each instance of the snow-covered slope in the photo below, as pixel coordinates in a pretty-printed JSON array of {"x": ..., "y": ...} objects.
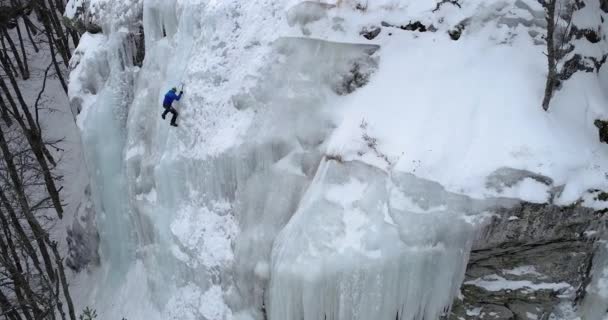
[{"x": 316, "y": 173}]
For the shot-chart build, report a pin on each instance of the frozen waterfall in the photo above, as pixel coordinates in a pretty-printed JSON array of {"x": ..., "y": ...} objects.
[{"x": 300, "y": 184}]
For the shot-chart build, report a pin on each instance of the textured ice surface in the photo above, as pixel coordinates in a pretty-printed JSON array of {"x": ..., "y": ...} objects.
[
  {"x": 366, "y": 245},
  {"x": 361, "y": 158},
  {"x": 106, "y": 97}
]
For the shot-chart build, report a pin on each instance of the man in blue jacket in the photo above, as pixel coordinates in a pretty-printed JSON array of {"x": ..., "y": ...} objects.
[{"x": 169, "y": 98}]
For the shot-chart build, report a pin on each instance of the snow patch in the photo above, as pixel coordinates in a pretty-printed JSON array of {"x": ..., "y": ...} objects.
[
  {"x": 524, "y": 270},
  {"x": 498, "y": 283}
]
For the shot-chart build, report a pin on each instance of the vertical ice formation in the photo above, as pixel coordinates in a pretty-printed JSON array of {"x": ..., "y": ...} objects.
[
  {"x": 290, "y": 103},
  {"x": 364, "y": 245},
  {"x": 106, "y": 94},
  {"x": 191, "y": 214},
  {"x": 101, "y": 92},
  {"x": 240, "y": 213}
]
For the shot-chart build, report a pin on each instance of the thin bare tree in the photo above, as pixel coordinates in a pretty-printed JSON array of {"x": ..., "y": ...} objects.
[{"x": 33, "y": 283}]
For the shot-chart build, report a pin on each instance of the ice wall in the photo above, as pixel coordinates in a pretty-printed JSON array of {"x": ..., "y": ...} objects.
[
  {"x": 293, "y": 187},
  {"x": 107, "y": 97},
  {"x": 359, "y": 248}
]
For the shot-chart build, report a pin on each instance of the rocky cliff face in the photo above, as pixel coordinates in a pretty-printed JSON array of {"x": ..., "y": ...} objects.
[{"x": 534, "y": 261}]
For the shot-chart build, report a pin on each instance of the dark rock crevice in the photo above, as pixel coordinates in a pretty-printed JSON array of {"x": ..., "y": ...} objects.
[
  {"x": 137, "y": 40},
  {"x": 456, "y": 32},
  {"x": 602, "y": 126},
  {"x": 411, "y": 26},
  {"x": 604, "y": 5},
  {"x": 370, "y": 33},
  {"x": 83, "y": 21}
]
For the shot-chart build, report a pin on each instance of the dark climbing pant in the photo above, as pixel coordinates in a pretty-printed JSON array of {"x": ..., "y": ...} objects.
[{"x": 173, "y": 111}]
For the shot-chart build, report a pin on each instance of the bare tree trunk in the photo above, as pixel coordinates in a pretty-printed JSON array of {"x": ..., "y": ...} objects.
[
  {"x": 10, "y": 99},
  {"x": 51, "y": 24},
  {"x": 55, "y": 63},
  {"x": 35, "y": 140},
  {"x": 33, "y": 283},
  {"x": 23, "y": 53},
  {"x": 8, "y": 38},
  {"x": 4, "y": 112},
  {"x": 58, "y": 302},
  {"x": 60, "y": 5},
  {"x": 38, "y": 231},
  {"x": 47, "y": 154},
  {"x": 64, "y": 282},
  {"x": 8, "y": 310},
  {"x": 4, "y": 53},
  {"x": 75, "y": 37},
  {"x": 551, "y": 54},
  {"x": 36, "y": 108},
  {"x": 19, "y": 283},
  {"x": 20, "y": 231},
  {"x": 21, "y": 234},
  {"x": 56, "y": 18},
  {"x": 30, "y": 28},
  {"x": 58, "y": 261}
]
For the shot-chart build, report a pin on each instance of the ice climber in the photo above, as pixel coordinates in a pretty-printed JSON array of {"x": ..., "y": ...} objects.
[{"x": 167, "y": 104}]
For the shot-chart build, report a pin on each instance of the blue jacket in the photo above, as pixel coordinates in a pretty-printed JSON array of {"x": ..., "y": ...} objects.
[{"x": 170, "y": 97}]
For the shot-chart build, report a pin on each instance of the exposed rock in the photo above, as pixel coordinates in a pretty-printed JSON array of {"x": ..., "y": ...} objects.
[
  {"x": 357, "y": 77},
  {"x": 508, "y": 177},
  {"x": 82, "y": 26},
  {"x": 456, "y": 33},
  {"x": 440, "y": 4},
  {"x": 579, "y": 4},
  {"x": 76, "y": 106},
  {"x": 602, "y": 196},
  {"x": 139, "y": 45},
  {"x": 581, "y": 63},
  {"x": 574, "y": 54},
  {"x": 356, "y": 63},
  {"x": 495, "y": 312},
  {"x": 415, "y": 26},
  {"x": 589, "y": 34},
  {"x": 483, "y": 311},
  {"x": 604, "y": 5},
  {"x": 82, "y": 21},
  {"x": 361, "y": 7},
  {"x": 539, "y": 223},
  {"x": 412, "y": 26},
  {"x": 370, "y": 33},
  {"x": 83, "y": 238},
  {"x": 523, "y": 310},
  {"x": 602, "y": 126},
  {"x": 530, "y": 258}
]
